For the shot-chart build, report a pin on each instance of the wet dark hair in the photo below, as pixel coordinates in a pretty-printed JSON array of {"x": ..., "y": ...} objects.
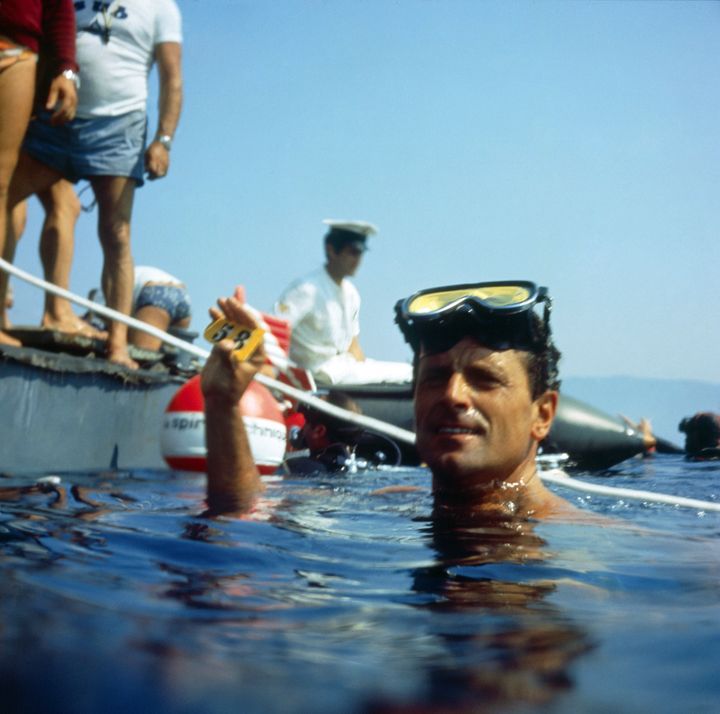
[
  {"x": 702, "y": 431},
  {"x": 338, "y": 430},
  {"x": 541, "y": 361},
  {"x": 543, "y": 369}
]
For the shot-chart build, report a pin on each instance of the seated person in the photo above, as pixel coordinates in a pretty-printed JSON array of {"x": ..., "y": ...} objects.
[{"x": 323, "y": 309}]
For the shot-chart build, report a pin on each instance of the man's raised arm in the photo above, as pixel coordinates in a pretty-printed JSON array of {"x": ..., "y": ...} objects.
[{"x": 233, "y": 479}]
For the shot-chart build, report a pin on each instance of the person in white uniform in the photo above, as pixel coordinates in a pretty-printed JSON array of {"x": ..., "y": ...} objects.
[{"x": 323, "y": 309}]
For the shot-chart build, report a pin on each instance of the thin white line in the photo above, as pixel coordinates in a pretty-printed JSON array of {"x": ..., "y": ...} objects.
[{"x": 561, "y": 479}]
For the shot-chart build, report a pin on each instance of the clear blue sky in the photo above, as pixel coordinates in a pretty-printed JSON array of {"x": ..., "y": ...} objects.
[{"x": 573, "y": 143}]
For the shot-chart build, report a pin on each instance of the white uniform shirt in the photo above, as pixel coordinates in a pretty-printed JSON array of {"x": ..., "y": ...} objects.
[
  {"x": 324, "y": 317},
  {"x": 114, "y": 75}
]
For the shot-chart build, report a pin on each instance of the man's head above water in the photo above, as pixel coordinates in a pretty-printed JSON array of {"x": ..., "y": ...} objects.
[
  {"x": 322, "y": 430},
  {"x": 477, "y": 421},
  {"x": 486, "y": 383}
]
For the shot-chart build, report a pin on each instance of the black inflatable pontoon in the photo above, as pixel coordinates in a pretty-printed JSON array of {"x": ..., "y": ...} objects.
[{"x": 590, "y": 438}]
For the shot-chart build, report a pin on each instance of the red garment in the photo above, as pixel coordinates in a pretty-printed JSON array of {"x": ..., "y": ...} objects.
[{"x": 46, "y": 26}]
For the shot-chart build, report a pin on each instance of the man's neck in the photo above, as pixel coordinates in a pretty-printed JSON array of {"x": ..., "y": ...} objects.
[
  {"x": 522, "y": 495},
  {"x": 336, "y": 277}
]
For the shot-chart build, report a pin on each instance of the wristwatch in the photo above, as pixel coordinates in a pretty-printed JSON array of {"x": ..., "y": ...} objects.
[
  {"x": 73, "y": 76},
  {"x": 165, "y": 140}
]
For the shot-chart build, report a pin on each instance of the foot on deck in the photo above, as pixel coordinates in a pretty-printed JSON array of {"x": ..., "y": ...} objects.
[
  {"x": 5, "y": 339},
  {"x": 74, "y": 326},
  {"x": 122, "y": 357}
]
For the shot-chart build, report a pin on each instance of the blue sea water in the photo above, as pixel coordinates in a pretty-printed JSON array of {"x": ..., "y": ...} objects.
[{"x": 118, "y": 595}]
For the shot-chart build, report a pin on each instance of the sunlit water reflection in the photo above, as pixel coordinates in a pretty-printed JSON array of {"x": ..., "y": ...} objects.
[{"x": 118, "y": 595}]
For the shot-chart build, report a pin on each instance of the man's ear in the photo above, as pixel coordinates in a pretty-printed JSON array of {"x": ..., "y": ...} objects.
[{"x": 544, "y": 408}]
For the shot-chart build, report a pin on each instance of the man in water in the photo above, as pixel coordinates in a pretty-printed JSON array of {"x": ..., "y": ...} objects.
[
  {"x": 486, "y": 391},
  {"x": 323, "y": 309},
  {"x": 326, "y": 442},
  {"x": 702, "y": 435}
]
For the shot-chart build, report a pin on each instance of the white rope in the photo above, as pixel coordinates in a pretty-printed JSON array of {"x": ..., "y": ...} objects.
[
  {"x": 561, "y": 479},
  {"x": 104, "y": 310},
  {"x": 407, "y": 437}
]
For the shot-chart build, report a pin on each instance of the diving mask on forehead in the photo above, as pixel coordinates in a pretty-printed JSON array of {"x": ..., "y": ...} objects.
[{"x": 501, "y": 315}]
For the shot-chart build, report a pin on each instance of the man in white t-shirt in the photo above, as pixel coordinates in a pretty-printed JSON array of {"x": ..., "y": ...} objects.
[
  {"x": 117, "y": 44},
  {"x": 323, "y": 309}
]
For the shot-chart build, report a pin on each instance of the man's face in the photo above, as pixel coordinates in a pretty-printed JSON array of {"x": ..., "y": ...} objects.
[
  {"x": 345, "y": 261},
  {"x": 316, "y": 436},
  {"x": 475, "y": 417}
]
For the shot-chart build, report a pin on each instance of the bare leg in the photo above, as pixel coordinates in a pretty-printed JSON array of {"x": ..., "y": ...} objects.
[
  {"x": 17, "y": 86},
  {"x": 30, "y": 176},
  {"x": 15, "y": 228},
  {"x": 115, "y": 195},
  {"x": 155, "y": 316},
  {"x": 57, "y": 243}
]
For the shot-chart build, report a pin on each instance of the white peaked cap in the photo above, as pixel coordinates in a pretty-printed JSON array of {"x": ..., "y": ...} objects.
[{"x": 363, "y": 228}]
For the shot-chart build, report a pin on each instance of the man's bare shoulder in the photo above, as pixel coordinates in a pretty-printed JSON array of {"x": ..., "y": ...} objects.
[{"x": 561, "y": 510}]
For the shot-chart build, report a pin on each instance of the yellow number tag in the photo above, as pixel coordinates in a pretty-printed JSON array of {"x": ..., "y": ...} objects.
[{"x": 246, "y": 339}]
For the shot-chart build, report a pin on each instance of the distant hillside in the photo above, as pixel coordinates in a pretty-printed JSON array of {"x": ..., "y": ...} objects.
[{"x": 664, "y": 401}]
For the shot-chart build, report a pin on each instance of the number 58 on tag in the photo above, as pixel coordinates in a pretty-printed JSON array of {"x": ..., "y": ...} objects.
[{"x": 246, "y": 339}]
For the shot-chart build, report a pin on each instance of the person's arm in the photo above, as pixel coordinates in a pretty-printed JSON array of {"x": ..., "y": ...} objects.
[
  {"x": 168, "y": 56},
  {"x": 295, "y": 303},
  {"x": 356, "y": 351},
  {"x": 353, "y": 300},
  {"x": 59, "y": 44},
  {"x": 233, "y": 479}
]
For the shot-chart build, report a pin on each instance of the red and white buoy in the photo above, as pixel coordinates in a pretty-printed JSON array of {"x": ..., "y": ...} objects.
[{"x": 183, "y": 431}]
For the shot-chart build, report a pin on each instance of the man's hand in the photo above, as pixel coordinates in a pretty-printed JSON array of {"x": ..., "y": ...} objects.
[
  {"x": 157, "y": 161},
  {"x": 168, "y": 58},
  {"x": 233, "y": 480},
  {"x": 224, "y": 379},
  {"x": 62, "y": 100}
]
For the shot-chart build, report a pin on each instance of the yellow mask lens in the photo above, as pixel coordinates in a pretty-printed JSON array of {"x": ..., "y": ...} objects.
[{"x": 492, "y": 295}]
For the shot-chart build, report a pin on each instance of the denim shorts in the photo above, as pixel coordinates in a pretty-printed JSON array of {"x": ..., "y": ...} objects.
[
  {"x": 171, "y": 298},
  {"x": 82, "y": 148}
]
